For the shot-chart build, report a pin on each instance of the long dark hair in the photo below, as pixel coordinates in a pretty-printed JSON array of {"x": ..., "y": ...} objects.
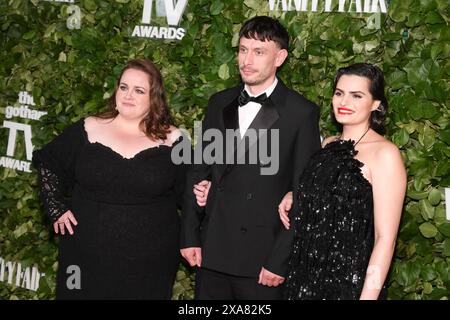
[
  {"x": 156, "y": 124},
  {"x": 376, "y": 89}
]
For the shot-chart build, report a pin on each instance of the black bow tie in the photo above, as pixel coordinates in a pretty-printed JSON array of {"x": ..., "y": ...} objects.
[{"x": 244, "y": 98}]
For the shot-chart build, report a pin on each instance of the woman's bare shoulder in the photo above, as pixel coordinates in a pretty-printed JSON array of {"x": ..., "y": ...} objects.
[
  {"x": 93, "y": 122},
  {"x": 384, "y": 153},
  {"x": 386, "y": 148}
]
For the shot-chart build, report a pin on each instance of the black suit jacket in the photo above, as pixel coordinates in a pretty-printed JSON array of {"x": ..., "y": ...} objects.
[{"x": 239, "y": 230}]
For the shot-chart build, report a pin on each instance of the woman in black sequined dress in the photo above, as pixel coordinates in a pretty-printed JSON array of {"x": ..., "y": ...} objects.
[
  {"x": 349, "y": 200},
  {"x": 119, "y": 231}
]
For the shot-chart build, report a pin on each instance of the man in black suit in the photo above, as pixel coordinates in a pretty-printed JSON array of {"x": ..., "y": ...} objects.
[{"x": 238, "y": 241}]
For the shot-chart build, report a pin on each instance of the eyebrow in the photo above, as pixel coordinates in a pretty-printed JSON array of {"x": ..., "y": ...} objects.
[
  {"x": 255, "y": 48},
  {"x": 351, "y": 91},
  {"x": 135, "y": 87},
  {"x": 259, "y": 48}
]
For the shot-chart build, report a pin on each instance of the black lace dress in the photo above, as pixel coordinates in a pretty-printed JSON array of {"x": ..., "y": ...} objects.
[
  {"x": 334, "y": 227},
  {"x": 126, "y": 243}
]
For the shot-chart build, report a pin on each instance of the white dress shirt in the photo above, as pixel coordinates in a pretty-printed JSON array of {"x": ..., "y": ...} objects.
[{"x": 248, "y": 112}]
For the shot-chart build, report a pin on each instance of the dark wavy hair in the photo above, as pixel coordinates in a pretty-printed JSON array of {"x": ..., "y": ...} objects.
[
  {"x": 156, "y": 124},
  {"x": 376, "y": 89},
  {"x": 264, "y": 28}
]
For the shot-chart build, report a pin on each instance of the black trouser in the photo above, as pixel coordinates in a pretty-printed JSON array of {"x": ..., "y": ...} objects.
[{"x": 214, "y": 285}]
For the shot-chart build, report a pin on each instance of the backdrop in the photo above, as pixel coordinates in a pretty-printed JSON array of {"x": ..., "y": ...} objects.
[{"x": 59, "y": 60}]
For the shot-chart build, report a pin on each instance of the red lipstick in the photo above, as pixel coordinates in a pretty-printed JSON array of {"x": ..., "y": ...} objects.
[{"x": 345, "y": 111}]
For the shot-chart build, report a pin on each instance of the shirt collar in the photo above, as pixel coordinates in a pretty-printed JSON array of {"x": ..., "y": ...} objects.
[{"x": 268, "y": 91}]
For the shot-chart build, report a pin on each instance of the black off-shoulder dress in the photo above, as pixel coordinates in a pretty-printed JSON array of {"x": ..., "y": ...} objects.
[
  {"x": 126, "y": 243},
  {"x": 334, "y": 227}
]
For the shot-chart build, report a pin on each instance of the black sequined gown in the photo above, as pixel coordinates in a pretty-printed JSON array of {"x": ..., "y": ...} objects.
[
  {"x": 334, "y": 227},
  {"x": 126, "y": 243}
]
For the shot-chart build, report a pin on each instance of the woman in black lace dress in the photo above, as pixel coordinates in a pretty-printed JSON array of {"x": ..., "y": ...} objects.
[
  {"x": 349, "y": 201},
  {"x": 119, "y": 230}
]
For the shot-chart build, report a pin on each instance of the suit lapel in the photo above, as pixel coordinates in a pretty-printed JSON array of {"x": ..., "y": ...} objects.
[
  {"x": 265, "y": 118},
  {"x": 230, "y": 115},
  {"x": 268, "y": 114},
  {"x": 231, "y": 122}
]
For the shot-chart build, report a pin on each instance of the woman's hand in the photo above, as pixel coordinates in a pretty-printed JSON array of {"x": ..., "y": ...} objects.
[
  {"x": 65, "y": 222},
  {"x": 284, "y": 208},
  {"x": 201, "y": 192}
]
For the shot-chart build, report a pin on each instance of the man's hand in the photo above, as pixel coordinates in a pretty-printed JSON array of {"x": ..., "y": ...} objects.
[
  {"x": 201, "y": 191},
  {"x": 193, "y": 255},
  {"x": 284, "y": 207},
  {"x": 270, "y": 279}
]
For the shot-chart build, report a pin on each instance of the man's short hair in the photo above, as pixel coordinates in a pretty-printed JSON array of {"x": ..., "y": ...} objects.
[{"x": 264, "y": 28}]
